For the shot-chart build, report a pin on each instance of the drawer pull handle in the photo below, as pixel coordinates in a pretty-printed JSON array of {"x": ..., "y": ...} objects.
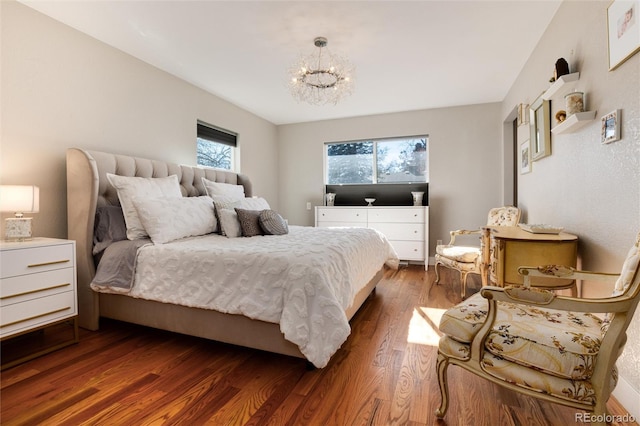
[
  {"x": 36, "y": 316},
  {"x": 55, "y": 262},
  {"x": 35, "y": 291}
]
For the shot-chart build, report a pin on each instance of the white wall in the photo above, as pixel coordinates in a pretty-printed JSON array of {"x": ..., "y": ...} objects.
[
  {"x": 593, "y": 190},
  {"x": 464, "y": 161},
  {"x": 61, "y": 89}
]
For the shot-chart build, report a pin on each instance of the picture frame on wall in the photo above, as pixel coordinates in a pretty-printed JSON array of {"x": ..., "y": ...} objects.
[
  {"x": 525, "y": 157},
  {"x": 623, "y": 28},
  {"x": 540, "y": 128},
  {"x": 611, "y": 127}
]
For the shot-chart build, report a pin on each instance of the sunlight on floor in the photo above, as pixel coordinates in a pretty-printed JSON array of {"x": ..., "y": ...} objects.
[{"x": 423, "y": 328}]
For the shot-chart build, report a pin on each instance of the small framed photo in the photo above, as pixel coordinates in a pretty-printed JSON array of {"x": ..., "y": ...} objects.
[
  {"x": 623, "y": 28},
  {"x": 525, "y": 157},
  {"x": 611, "y": 127}
]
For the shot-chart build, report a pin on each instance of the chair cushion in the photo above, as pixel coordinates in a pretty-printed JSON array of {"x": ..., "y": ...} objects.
[
  {"x": 463, "y": 254},
  {"x": 558, "y": 342},
  {"x": 528, "y": 378}
]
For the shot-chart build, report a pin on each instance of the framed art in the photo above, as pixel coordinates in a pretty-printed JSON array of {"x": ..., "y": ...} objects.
[
  {"x": 611, "y": 127},
  {"x": 623, "y": 28},
  {"x": 525, "y": 157},
  {"x": 540, "y": 127}
]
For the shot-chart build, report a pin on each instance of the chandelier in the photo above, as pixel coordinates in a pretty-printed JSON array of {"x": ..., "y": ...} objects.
[{"x": 321, "y": 78}]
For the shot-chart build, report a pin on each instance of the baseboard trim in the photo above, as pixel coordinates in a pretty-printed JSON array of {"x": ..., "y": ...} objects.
[{"x": 628, "y": 397}]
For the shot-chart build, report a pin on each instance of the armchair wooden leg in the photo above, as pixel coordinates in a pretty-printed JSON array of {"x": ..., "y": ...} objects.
[
  {"x": 441, "y": 367},
  {"x": 463, "y": 284},
  {"x": 437, "y": 281}
]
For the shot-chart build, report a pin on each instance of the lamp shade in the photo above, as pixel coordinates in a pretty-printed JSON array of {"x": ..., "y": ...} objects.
[{"x": 19, "y": 198}]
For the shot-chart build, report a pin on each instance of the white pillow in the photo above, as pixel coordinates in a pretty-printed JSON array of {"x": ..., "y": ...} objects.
[
  {"x": 227, "y": 202},
  {"x": 226, "y": 189},
  {"x": 229, "y": 223},
  {"x": 169, "y": 219},
  {"x": 129, "y": 187}
]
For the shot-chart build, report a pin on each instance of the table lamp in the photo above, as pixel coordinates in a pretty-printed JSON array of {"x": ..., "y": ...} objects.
[{"x": 19, "y": 199}]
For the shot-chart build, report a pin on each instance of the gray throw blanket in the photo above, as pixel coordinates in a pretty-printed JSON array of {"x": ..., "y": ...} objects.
[{"x": 117, "y": 265}]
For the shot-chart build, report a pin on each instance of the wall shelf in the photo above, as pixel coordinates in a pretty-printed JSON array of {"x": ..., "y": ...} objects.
[
  {"x": 567, "y": 80},
  {"x": 574, "y": 122}
]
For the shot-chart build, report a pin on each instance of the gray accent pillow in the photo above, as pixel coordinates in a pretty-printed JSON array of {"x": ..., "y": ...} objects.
[
  {"x": 272, "y": 223},
  {"x": 249, "y": 222},
  {"x": 109, "y": 227}
]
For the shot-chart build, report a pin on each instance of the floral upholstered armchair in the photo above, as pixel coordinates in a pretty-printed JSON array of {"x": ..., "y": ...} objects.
[
  {"x": 467, "y": 259},
  {"x": 556, "y": 348}
]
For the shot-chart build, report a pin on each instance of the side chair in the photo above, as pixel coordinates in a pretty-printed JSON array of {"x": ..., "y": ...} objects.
[{"x": 467, "y": 259}]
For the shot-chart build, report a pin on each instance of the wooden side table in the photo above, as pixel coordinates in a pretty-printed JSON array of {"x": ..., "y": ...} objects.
[{"x": 511, "y": 247}]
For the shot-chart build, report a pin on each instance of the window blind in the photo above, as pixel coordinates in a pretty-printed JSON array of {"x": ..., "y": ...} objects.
[{"x": 212, "y": 134}]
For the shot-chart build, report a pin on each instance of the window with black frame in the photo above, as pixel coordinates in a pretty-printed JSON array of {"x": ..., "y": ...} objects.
[
  {"x": 215, "y": 147},
  {"x": 385, "y": 169},
  {"x": 397, "y": 160}
]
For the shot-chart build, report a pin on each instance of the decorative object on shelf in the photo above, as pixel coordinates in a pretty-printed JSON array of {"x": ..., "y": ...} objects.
[
  {"x": 561, "y": 68},
  {"x": 321, "y": 78},
  {"x": 541, "y": 228},
  {"x": 523, "y": 114},
  {"x": 330, "y": 198},
  {"x": 370, "y": 201},
  {"x": 623, "y": 31},
  {"x": 19, "y": 199},
  {"x": 525, "y": 157},
  {"x": 611, "y": 127},
  {"x": 417, "y": 197},
  {"x": 540, "y": 126},
  {"x": 561, "y": 116},
  {"x": 574, "y": 102}
]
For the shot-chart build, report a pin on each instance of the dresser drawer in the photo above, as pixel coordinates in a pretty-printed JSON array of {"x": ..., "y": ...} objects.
[
  {"x": 36, "y": 259},
  {"x": 400, "y": 231},
  {"x": 343, "y": 215},
  {"x": 39, "y": 311},
  {"x": 400, "y": 215},
  {"x": 26, "y": 287},
  {"x": 409, "y": 250}
]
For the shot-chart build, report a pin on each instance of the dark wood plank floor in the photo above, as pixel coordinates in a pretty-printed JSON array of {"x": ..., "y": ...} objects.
[{"x": 383, "y": 375}]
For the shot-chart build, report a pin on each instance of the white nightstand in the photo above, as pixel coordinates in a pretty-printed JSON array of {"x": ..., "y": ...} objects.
[{"x": 37, "y": 289}]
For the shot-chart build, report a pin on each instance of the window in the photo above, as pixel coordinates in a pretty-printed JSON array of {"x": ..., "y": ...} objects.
[
  {"x": 398, "y": 160},
  {"x": 215, "y": 147}
]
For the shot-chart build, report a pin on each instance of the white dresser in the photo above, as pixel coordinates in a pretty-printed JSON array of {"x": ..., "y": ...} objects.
[
  {"x": 406, "y": 228},
  {"x": 37, "y": 285}
]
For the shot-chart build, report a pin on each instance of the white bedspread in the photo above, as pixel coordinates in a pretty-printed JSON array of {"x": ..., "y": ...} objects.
[{"x": 304, "y": 280}]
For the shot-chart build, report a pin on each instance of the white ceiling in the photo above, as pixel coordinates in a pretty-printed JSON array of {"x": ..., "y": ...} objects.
[{"x": 408, "y": 55}]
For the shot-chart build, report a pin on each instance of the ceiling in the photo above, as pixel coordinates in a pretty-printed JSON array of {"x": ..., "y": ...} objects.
[{"x": 409, "y": 55}]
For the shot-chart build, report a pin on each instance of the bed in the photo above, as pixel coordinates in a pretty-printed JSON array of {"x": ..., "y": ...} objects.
[{"x": 291, "y": 323}]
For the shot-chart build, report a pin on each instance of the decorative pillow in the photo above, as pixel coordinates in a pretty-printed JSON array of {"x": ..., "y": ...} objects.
[
  {"x": 226, "y": 189},
  {"x": 222, "y": 202},
  {"x": 249, "y": 222},
  {"x": 229, "y": 224},
  {"x": 272, "y": 223},
  {"x": 169, "y": 219},
  {"x": 129, "y": 187},
  {"x": 109, "y": 227}
]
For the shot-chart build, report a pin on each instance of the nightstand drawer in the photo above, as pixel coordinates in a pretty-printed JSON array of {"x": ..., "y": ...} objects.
[
  {"x": 398, "y": 215},
  {"x": 31, "y": 286},
  {"x": 400, "y": 231},
  {"x": 343, "y": 215},
  {"x": 36, "y": 259},
  {"x": 26, "y": 315}
]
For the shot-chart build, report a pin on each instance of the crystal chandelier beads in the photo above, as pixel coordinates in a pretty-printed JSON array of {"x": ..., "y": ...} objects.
[{"x": 321, "y": 78}]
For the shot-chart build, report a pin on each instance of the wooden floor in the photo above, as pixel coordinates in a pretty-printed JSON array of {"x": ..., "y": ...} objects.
[{"x": 383, "y": 375}]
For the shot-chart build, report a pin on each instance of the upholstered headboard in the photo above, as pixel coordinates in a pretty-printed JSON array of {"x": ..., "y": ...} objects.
[{"x": 88, "y": 188}]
